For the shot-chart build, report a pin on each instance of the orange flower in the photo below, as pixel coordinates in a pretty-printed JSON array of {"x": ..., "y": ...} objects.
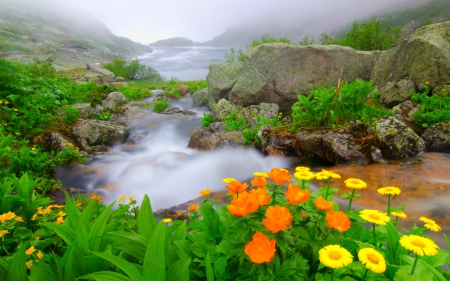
[
  {"x": 323, "y": 205},
  {"x": 259, "y": 197},
  {"x": 258, "y": 181},
  {"x": 239, "y": 207},
  {"x": 278, "y": 218},
  {"x": 296, "y": 195},
  {"x": 338, "y": 220},
  {"x": 193, "y": 208},
  {"x": 205, "y": 192},
  {"x": 260, "y": 249},
  {"x": 236, "y": 187},
  {"x": 279, "y": 176}
]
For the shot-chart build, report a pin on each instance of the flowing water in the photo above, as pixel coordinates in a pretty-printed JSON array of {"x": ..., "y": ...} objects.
[{"x": 163, "y": 167}]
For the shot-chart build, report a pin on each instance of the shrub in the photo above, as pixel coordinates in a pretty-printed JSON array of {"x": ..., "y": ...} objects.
[
  {"x": 71, "y": 115},
  {"x": 160, "y": 105},
  {"x": 432, "y": 109},
  {"x": 133, "y": 70},
  {"x": 207, "y": 119}
]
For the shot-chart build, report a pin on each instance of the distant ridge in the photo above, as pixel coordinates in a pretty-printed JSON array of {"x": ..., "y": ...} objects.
[{"x": 174, "y": 42}]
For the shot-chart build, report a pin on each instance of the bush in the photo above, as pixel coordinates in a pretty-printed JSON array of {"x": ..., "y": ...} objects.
[
  {"x": 133, "y": 70},
  {"x": 207, "y": 119},
  {"x": 432, "y": 109},
  {"x": 160, "y": 105},
  {"x": 71, "y": 115}
]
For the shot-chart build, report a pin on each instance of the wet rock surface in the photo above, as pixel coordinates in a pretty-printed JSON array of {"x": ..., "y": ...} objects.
[{"x": 437, "y": 137}]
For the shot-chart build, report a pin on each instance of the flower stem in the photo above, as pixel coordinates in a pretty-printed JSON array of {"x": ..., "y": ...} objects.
[
  {"x": 389, "y": 204},
  {"x": 332, "y": 275},
  {"x": 350, "y": 203},
  {"x": 374, "y": 236},
  {"x": 396, "y": 220},
  {"x": 328, "y": 188},
  {"x": 414, "y": 265},
  {"x": 365, "y": 274}
]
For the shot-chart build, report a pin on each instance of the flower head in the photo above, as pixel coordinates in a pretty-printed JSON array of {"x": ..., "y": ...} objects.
[
  {"x": 3, "y": 232},
  {"x": 236, "y": 187},
  {"x": 279, "y": 176},
  {"x": 228, "y": 180},
  {"x": 59, "y": 220},
  {"x": 301, "y": 168},
  {"x": 240, "y": 207},
  {"x": 399, "y": 214},
  {"x": 374, "y": 216},
  {"x": 323, "y": 175},
  {"x": 7, "y": 216},
  {"x": 61, "y": 214},
  {"x": 258, "y": 181},
  {"x": 372, "y": 259},
  {"x": 19, "y": 219},
  {"x": 168, "y": 220},
  {"x": 430, "y": 224},
  {"x": 260, "y": 175},
  {"x": 96, "y": 197},
  {"x": 30, "y": 250},
  {"x": 29, "y": 264},
  {"x": 355, "y": 183},
  {"x": 193, "y": 208},
  {"x": 419, "y": 245},
  {"x": 296, "y": 195},
  {"x": 390, "y": 190},
  {"x": 304, "y": 175},
  {"x": 205, "y": 192},
  {"x": 131, "y": 197},
  {"x": 334, "y": 175},
  {"x": 121, "y": 198},
  {"x": 323, "y": 205},
  {"x": 260, "y": 249},
  {"x": 338, "y": 220},
  {"x": 39, "y": 255},
  {"x": 259, "y": 197},
  {"x": 277, "y": 218},
  {"x": 335, "y": 256}
]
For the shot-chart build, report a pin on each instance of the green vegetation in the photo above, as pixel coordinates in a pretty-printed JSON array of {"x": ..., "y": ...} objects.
[
  {"x": 207, "y": 119},
  {"x": 432, "y": 109},
  {"x": 133, "y": 70},
  {"x": 160, "y": 105}
]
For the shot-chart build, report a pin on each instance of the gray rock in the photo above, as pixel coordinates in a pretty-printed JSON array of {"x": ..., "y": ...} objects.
[
  {"x": 404, "y": 112},
  {"x": 172, "y": 110},
  {"x": 376, "y": 155},
  {"x": 437, "y": 137},
  {"x": 108, "y": 75},
  {"x": 113, "y": 100},
  {"x": 217, "y": 127},
  {"x": 392, "y": 94},
  {"x": 189, "y": 112},
  {"x": 119, "y": 79},
  {"x": 200, "y": 98},
  {"x": 94, "y": 77},
  {"x": 222, "y": 109},
  {"x": 226, "y": 144},
  {"x": 56, "y": 142},
  {"x": 85, "y": 109},
  {"x": 221, "y": 78},
  {"x": 274, "y": 73},
  {"x": 253, "y": 112},
  {"x": 276, "y": 144},
  {"x": 397, "y": 140},
  {"x": 204, "y": 139}
]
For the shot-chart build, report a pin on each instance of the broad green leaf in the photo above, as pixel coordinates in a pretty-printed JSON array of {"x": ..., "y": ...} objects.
[
  {"x": 106, "y": 276},
  {"x": 209, "y": 270},
  {"x": 436, "y": 260},
  {"x": 122, "y": 264},
  {"x": 183, "y": 247},
  {"x": 393, "y": 242},
  {"x": 3, "y": 268},
  {"x": 63, "y": 231},
  {"x": 447, "y": 240},
  {"x": 146, "y": 220},
  {"x": 88, "y": 212},
  {"x": 67, "y": 264},
  {"x": 210, "y": 221},
  {"x": 17, "y": 269},
  {"x": 154, "y": 261},
  {"x": 180, "y": 232},
  {"x": 98, "y": 228},
  {"x": 131, "y": 243},
  {"x": 179, "y": 270},
  {"x": 41, "y": 271}
]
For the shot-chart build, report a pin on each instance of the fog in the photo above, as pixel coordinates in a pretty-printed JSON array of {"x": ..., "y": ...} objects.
[{"x": 146, "y": 21}]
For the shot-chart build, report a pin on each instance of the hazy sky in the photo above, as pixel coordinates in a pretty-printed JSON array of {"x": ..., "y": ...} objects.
[{"x": 146, "y": 21}]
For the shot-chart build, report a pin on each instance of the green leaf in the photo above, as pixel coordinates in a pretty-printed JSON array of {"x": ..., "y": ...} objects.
[
  {"x": 436, "y": 260},
  {"x": 67, "y": 264},
  {"x": 209, "y": 270},
  {"x": 180, "y": 232},
  {"x": 63, "y": 231},
  {"x": 3, "y": 268},
  {"x": 393, "y": 242},
  {"x": 179, "y": 270},
  {"x": 154, "y": 261},
  {"x": 131, "y": 243},
  {"x": 98, "y": 228},
  {"x": 106, "y": 276},
  {"x": 210, "y": 221},
  {"x": 122, "y": 264},
  {"x": 17, "y": 269},
  {"x": 146, "y": 220},
  {"x": 41, "y": 271}
]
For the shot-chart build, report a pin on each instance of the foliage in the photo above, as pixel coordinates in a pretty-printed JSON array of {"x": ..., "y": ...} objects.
[
  {"x": 368, "y": 36},
  {"x": 207, "y": 119},
  {"x": 71, "y": 115},
  {"x": 133, "y": 70},
  {"x": 70, "y": 155},
  {"x": 103, "y": 115},
  {"x": 306, "y": 41},
  {"x": 160, "y": 105},
  {"x": 135, "y": 92},
  {"x": 432, "y": 108},
  {"x": 329, "y": 106},
  {"x": 234, "y": 55}
]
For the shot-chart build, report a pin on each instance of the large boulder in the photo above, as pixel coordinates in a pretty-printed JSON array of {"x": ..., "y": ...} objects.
[
  {"x": 206, "y": 139},
  {"x": 221, "y": 78},
  {"x": 253, "y": 112},
  {"x": 222, "y": 109},
  {"x": 393, "y": 94},
  {"x": 423, "y": 57},
  {"x": 275, "y": 72},
  {"x": 200, "y": 98},
  {"x": 437, "y": 137},
  {"x": 396, "y": 140},
  {"x": 108, "y": 76},
  {"x": 113, "y": 100}
]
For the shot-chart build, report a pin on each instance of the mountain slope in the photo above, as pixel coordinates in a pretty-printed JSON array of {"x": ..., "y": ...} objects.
[{"x": 174, "y": 42}]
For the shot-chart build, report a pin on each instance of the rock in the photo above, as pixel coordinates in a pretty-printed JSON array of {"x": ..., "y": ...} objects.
[
  {"x": 97, "y": 132},
  {"x": 108, "y": 75},
  {"x": 404, "y": 112},
  {"x": 376, "y": 155},
  {"x": 217, "y": 127},
  {"x": 442, "y": 91},
  {"x": 226, "y": 144},
  {"x": 392, "y": 94},
  {"x": 189, "y": 112},
  {"x": 56, "y": 142},
  {"x": 200, "y": 98},
  {"x": 222, "y": 109},
  {"x": 119, "y": 79},
  {"x": 113, "y": 100},
  {"x": 205, "y": 139},
  {"x": 276, "y": 144},
  {"x": 253, "y": 112},
  {"x": 172, "y": 110},
  {"x": 423, "y": 56},
  {"x": 396, "y": 140},
  {"x": 119, "y": 84},
  {"x": 437, "y": 137},
  {"x": 221, "y": 78},
  {"x": 85, "y": 109},
  {"x": 274, "y": 73},
  {"x": 94, "y": 77}
]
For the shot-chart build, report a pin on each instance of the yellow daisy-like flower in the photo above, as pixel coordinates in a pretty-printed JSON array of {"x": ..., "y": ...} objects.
[
  {"x": 304, "y": 175},
  {"x": 372, "y": 259},
  {"x": 131, "y": 198},
  {"x": 30, "y": 250},
  {"x": 29, "y": 264},
  {"x": 334, "y": 175},
  {"x": 419, "y": 245},
  {"x": 228, "y": 180},
  {"x": 7, "y": 216},
  {"x": 167, "y": 220},
  {"x": 301, "y": 168},
  {"x": 390, "y": 190},
  {"x": 335, "y": 256},
  {"x": 374, "y": 216},
  {"x": 3, "y": 232},
  {"x": 205, "y": 192},
  {"x": 121, "y": 198},
  {"x": 61, "y": 214},
  {"x": 260, "y": 175},
  {"x": 399, "y": 214},
  {"x": 39, "y": 255},
  {"x": 430, "y": 224},
  {"x": 355, "y": 183},
  {"x": 34, "y": 217},
  {"x": 19, "y": 219},
  {"x": 324, "y": 175},
  {"x": 59, "y": 220}
]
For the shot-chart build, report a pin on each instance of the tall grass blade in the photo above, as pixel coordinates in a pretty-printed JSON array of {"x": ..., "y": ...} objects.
[
  {"x": 146, "y": 220},
  {"x": 154, "y": 261}
]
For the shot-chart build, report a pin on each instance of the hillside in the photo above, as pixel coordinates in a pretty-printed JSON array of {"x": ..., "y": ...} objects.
[
  {"x": 174, "y": 42},
  {"x": 68, "y": 38}
]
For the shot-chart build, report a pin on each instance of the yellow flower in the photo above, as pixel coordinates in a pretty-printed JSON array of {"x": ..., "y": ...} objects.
[
  {"x": 7, "y": 216},
  {"x": 335, "y": 256},
  {"x": 34, "y": 217},
  {"x": 419, "y": 245},
  {"x": 205, "y": 192},
  {"x": 193, "y": 208},
  {"x": 399, "y": 214},
  {"x": 334, "y": 175},
  {"x": 374, "y": 216},
  {"x": 372, "y": 259},
  {"x": 260, "y": 175},
  {"x": 324, "y": 175},
  {"x": 29, "y": 264},
  {"x": 121, "y": 198},
  {"x": 167, "y": 220},
  {"x": 355, "y": 183},
  {"x": 430, "y": 224},
  {"x": 301, "y": 168},
  {"x": 37, "y": 237},
  {"x": 390, "y": 190},
  {"x": 427, "y": 82},
  {"x": 39, "y": 255},
  {"x": 15, "y": 109},
  {"x": 19, "y": 219},
  {"x": 228, "y": 180},
  {"x": 304, "y": 175},
  {"x": 131, "y": 198},
  {"x": 30, "y": 250},
  {"x": 59, "y": 220},
  {"x": 3, "y": 232},
  {"x": 61, "y": 214}
]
